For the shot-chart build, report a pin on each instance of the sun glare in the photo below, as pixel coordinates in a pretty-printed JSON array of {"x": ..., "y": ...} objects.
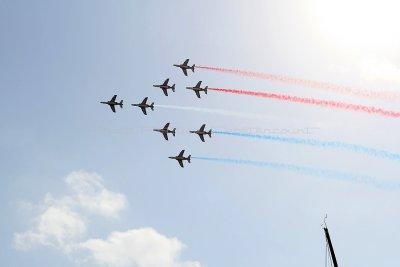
[{"x": 367, "y": 26}]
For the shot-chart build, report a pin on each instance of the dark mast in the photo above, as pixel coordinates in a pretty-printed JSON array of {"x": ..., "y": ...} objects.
[{"x": 330, "y": 246}]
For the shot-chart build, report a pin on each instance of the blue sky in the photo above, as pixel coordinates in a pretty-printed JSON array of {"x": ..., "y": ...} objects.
[{"x": 59, "y": 59}]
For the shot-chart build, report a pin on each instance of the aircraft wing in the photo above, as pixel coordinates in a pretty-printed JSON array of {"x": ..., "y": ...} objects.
[
  {"x": 165, "y": 136},
  {"x": 181, "y": 154},
  {"x": 184, "y": 71},
  {"x": 197, "y": 93},
  {"x": 201, "y": 137},
  {"x": 144, "y": 100},
  {"x": 113, "y": 98},
  {"x": 202, "y": 128},
  {"x": 112, "y": 108},
  {"x": 166, "y": 126},
  {"x": 198, "y": 84},
  {"x": 166, "y": 82},
  {"x": 180, "y": 162},
  {"x": 186, "y": 62},
  {"x": 144, "y": 110},
  {"x": 165, "y": 91}
]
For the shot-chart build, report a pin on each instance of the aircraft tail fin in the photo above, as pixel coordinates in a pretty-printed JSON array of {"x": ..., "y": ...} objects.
[
  {"x": 121, "y": 103},
  {"x": 205, "y": 89},
  {"x": 192, "y": 68},
  {"x": 173, "y": 88},
  {"x": 173, "y": 131},
  {"x": 152, "y": 106},
  {"x": 209, "y": 133},
  {"x": 189, "y": 158}
]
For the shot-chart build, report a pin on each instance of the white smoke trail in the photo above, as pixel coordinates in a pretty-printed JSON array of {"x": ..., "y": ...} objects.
[{"x": 221, "y": 112}]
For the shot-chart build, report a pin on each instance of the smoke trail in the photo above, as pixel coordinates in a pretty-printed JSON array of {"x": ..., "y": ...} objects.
[
  {"x": 247, "y": 116},
  {"x": 216, "y": 112},
  {"x": 319, "y": 143},
  {"x": 328, "y": 174},
  {"x": 313, "y": 101},
  {"x": 390, "y": 96}
]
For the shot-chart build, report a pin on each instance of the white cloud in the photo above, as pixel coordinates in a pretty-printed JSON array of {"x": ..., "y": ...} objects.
[
  {"x": 143, "y": 247},
  {"x": 58, "y": 222},
  {"x": 62, "y": 222},
  {"x": 58, "y": 227},
  {"x": 91, "y": 194}
]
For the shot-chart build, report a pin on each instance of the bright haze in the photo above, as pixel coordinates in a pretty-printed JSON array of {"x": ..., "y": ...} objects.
[{"x": 83, "y": 186}]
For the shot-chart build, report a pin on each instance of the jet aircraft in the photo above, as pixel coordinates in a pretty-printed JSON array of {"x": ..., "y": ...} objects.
[
  {"x": 165, "y": 87},
  {"x": 112, "y": 103},
  {"x": 180, "y": 158},
  {"x": 165, "y": 131},
  {"x": 197, "y": 89},
  {"x": 143, "y": 105},
  {"x": 201, "y": 132},
  {"x": 184, "y": 67}
]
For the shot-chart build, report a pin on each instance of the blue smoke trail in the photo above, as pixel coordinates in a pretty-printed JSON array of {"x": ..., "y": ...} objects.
[
  {"x": 323, "y": 144},
  {"x": 323, "y": 173}
]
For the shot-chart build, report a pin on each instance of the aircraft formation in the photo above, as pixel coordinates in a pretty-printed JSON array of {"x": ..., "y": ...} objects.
[
  {"x": 166, "y": 131},
  {"x": 144, "y": 105}
]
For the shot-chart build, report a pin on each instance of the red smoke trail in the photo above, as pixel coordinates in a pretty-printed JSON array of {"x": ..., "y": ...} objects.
[
  {"x": 313, "y": 101},
  {"x": 383, "y": 95}
]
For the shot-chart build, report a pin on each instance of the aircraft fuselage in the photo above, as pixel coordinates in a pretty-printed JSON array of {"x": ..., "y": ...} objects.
[
  {"x": 162, "y": 86},
  {"x": 195, "y": 89},
  {"x": 163, "y": 131},
  {"x": 111, "y": 103},
  {"x": 186, "y": 67},
  {"x": 179, "y": 158},
  {"x": 142, "y": 105},
  {"x": 200, "y": 132}
]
